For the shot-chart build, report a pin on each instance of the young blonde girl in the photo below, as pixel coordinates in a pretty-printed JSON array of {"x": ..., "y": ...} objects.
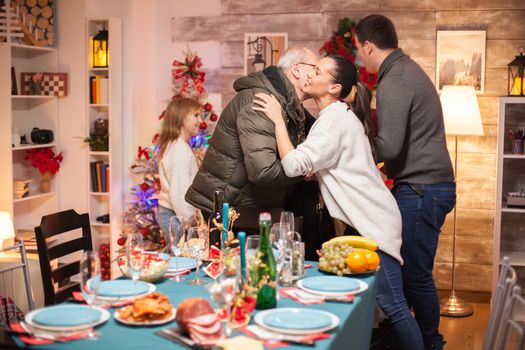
[{"x": 178, "y": 165}]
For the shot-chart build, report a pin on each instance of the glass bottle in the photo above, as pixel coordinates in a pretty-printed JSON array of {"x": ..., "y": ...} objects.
[
  {"x": 264, "y": 273},
  {"x": 215, "y": 220}
]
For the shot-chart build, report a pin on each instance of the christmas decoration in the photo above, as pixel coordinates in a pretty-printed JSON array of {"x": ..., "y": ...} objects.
[
  {"x": 103, "y": 252},
  {"x": 44, "y": 160},
  {"x": 141, "y": 214},
  {"x": 342, "y": 43}
]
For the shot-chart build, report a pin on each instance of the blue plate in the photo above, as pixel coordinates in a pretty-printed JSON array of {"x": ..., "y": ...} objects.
[
  {"x": 66, "y": 316},
  {"x": 122, "y": 288},
  {"x": 184, "y": 263},
  {"x": 297, "y": 319},
  {"x": 331, "y": 284}
]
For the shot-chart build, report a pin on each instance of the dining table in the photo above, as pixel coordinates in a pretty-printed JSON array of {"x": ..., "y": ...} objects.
[{"x": 353, "y": 333}]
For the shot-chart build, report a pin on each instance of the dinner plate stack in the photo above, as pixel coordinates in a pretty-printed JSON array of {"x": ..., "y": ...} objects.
[
  {"x": 332, "y": 286},
  {"x": 297, "y": 321},
  {"x": 66, "y": 318}
]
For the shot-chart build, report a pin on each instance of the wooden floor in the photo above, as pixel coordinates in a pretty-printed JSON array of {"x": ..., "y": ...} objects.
[{"x": 466, "y": 333}]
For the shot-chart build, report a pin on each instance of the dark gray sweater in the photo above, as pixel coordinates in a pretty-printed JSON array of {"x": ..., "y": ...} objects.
[{"x": 411, "y": 139}]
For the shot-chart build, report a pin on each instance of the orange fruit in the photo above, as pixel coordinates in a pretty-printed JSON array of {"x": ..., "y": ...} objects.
[
  {"x": 362, "y": 260},
  {"x": 357, "y": 261}
]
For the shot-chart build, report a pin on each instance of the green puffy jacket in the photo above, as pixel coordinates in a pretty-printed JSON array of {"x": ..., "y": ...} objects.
[{"x": 242, "y": 159}]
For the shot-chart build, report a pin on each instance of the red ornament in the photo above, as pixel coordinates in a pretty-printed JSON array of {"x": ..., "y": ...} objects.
[
  {"x": 144, "y": 187},
  {"x": 105, "y": 264},
  {"x": 144, "y": 231},
  {"x": 121, "y": 241},
  {"x": 203, "y": 126},
  {"x": 214, "y": 117},
  {"x": 163, "y": 242},
  {"x": 208, "y": 107}
]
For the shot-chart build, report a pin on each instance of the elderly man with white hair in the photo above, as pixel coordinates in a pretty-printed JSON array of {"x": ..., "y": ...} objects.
[{"x": 242, "y": 159}]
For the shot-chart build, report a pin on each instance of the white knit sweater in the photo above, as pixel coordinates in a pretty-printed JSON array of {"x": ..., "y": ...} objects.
[
  {"x": 338, "y": 150},
  {"x": 177, "y": 170}
]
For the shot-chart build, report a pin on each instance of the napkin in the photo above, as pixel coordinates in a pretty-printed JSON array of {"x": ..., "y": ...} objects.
[
  {"x": 240, "y": 342},
  {"x": 102, "y": 303},
  {"x": 306, "y": 298},
  {"x": 274, "y": 339},
  {"x": 41, "y": 337}
]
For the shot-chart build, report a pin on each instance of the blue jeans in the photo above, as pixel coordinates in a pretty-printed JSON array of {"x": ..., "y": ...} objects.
[
  {"x": 391, "y": 299},
  {"x": 164, "y": 216},
  {"x": 423, "y": 210}
]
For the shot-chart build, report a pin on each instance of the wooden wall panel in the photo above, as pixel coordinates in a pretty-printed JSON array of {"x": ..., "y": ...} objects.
[
  {"x": 301, "y": 26},
  {"x": 452, "y": 4},
  {"x": 279, "y": 6},
  {"x": 309, "y": 23},
  {"x": 499, "y": 24}
]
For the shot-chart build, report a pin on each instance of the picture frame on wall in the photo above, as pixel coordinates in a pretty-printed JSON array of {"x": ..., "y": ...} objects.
[
  {"x": 262, "y": 50},
  {"x": 460, "y": 58}
]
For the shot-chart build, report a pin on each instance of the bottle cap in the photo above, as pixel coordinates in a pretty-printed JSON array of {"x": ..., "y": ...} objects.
[{"x": 264, "y": 216}]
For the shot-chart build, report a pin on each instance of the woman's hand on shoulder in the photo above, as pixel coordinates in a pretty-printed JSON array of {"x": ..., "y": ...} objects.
[{"x": 270, "y": 106}]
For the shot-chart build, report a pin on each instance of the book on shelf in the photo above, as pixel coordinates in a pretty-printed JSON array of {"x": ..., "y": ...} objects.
[
  {"x": 99, "y": 176},
  {"x": 99, "y": 90}
]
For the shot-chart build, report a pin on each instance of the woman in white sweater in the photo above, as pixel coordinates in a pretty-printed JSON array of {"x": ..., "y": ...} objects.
[
  {"x": 338, "y": 150},
  {"x": 178, "y": 164}
]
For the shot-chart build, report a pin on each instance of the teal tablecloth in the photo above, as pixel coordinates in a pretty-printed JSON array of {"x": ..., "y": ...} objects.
[{"x": 353, "y": 333}]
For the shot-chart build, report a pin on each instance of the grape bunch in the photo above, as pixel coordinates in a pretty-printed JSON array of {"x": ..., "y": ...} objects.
[{"x": 333, "y": 258}]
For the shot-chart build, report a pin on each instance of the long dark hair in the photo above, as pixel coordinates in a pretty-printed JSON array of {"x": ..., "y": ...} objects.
[{"x": 345, "y": 73}]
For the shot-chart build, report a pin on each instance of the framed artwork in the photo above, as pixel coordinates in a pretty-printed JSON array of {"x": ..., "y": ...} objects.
[
  {"x": 48, "y": 84},
  {"x": 460, "y": 58},
  {"x": 262, "y": 50}
]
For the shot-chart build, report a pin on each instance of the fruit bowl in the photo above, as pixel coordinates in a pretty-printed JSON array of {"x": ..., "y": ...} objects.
[{"x": 155, "y": 266}]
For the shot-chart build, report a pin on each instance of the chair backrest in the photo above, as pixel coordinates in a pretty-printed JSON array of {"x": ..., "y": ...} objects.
[
  {"x": 506, "y": 281},
  {"x": 512, "y": 322},
  {"x": 10, "y": 281},
  {"x": 55, "y": 225}
]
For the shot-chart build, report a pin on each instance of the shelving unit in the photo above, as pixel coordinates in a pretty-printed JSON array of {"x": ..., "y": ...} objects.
[
  {"x": 509, "y": 227},
  {"x": 106, "y": 202},
  {"x": 24, "y": 112}
]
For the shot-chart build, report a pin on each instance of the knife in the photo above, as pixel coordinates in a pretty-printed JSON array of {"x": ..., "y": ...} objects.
[{"x": 174, "y": 335}]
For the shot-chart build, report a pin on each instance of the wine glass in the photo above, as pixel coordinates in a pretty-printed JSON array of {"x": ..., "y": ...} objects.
[
  {"x": 90, "y": 280},
  {"x": 222, "y": 292},
  {"x": 135, "y": 255},
  {"x": 251, "y": 248},
  {"x": 196, "y": 244},
  {"x": 176, "y": 240},
  {"x": 287, "y": 219}
]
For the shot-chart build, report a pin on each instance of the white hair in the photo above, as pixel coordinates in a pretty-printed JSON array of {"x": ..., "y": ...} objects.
[{"x": 291, "y": 56}]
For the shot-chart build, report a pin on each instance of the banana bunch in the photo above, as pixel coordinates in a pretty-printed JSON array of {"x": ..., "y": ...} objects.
[{"x": 353, "y": 241}]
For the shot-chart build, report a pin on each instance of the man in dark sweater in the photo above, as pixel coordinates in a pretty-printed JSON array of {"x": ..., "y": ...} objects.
[{"x": 411, "y": 141}]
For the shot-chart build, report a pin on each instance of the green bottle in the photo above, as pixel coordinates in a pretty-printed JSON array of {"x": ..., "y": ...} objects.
[{"x": 264, "y": 273}]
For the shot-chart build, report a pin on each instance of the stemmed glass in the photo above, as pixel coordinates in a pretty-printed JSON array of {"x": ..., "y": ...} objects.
[
  {"x": 176, "y": 239},
  {"x": 288, "y": 219},
  {"x": 222, "y": 292},
  {"x": 196, "y": 244},
  {"x": 135, "y": 255},
  {"x": 90, "y": 283}
]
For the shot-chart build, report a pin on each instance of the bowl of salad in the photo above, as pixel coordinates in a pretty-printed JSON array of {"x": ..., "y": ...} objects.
[{"x": 154, "y": 266}]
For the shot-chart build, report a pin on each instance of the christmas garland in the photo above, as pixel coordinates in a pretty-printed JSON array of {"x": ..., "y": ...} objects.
[{"x": 342, "y": 43}]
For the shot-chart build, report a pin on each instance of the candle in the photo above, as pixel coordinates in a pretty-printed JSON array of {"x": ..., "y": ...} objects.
[
  {"x": 517, "y": 87},
  {"x": 226, "y": 209},
  {"x": 242, "y": 242}
]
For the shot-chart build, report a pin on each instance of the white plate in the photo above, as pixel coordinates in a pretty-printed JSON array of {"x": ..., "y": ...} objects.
[
  {"x": 186, "y": 263},
  {"x": 104, "y": 300},
  {"x": 146, "y": 323},
  {"x": 362, "y": 287},
  {"x": 259, "y": 319},
  {"x": 29, "y": 320}
]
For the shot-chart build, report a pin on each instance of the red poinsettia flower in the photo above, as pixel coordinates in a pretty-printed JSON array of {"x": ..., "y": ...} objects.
[{"x": 44, "y": 160}]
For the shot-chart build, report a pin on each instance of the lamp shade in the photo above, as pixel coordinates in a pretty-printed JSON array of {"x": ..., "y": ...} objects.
[
  {"x": 6, "y": 227},
  {"x": 461, "y": 111}
]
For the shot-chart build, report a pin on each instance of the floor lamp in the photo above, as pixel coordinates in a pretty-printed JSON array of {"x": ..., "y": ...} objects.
[{"x": 462, "y": 118}]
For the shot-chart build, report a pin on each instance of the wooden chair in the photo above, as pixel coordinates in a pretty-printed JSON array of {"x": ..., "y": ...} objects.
[
  {"x": 56, "y": 225},
  {"x": 511, "y": 321},
  {"x": 506, "y": 281}
]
